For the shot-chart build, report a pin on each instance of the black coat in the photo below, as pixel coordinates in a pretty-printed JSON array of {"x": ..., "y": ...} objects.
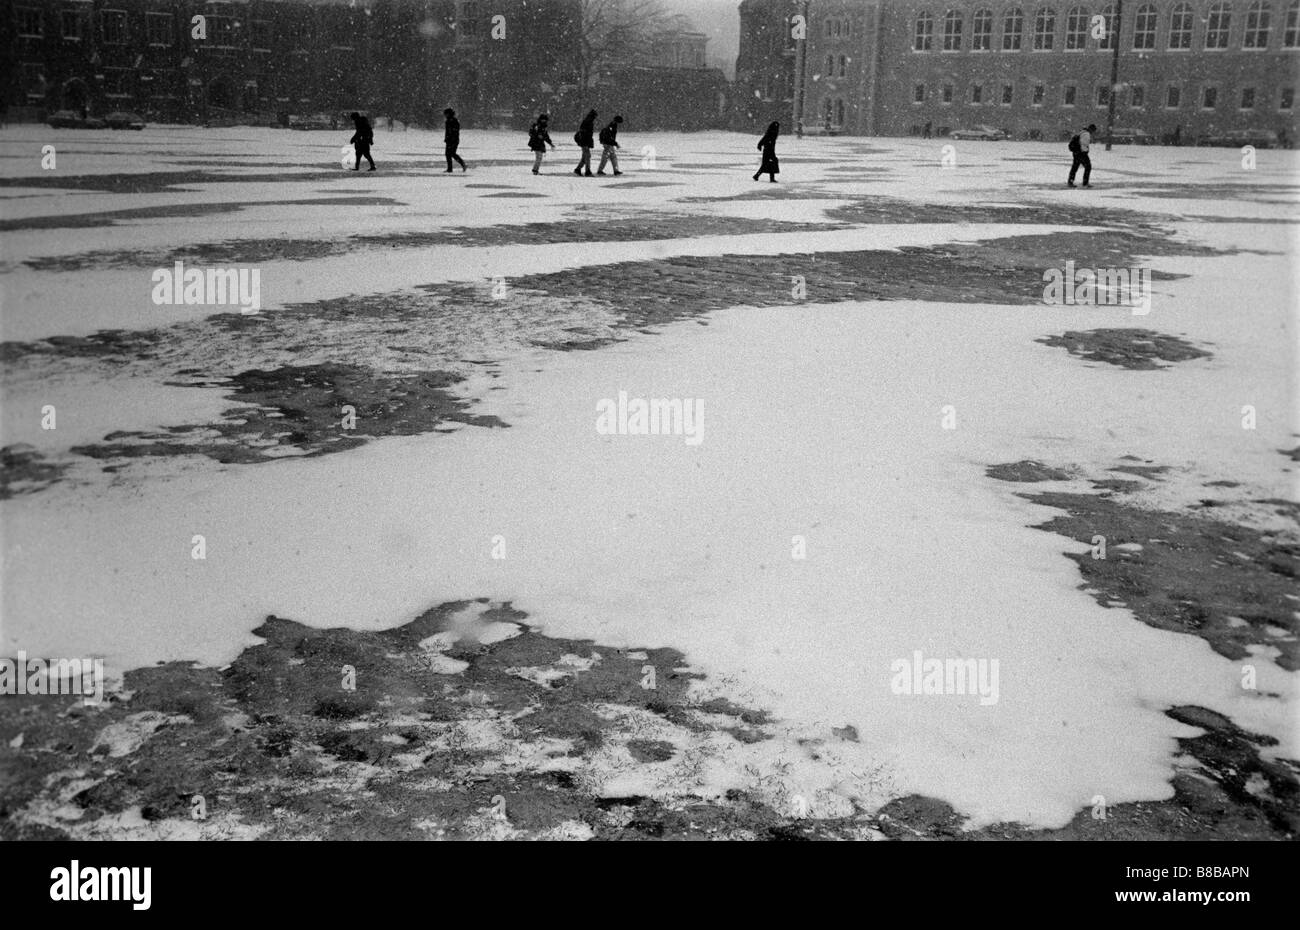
[
  {"x": 538, "y": 137},
  {"x": 364, "y": 137},
  {"x": 770, "y": 165},
  {"x": 452, "y": 134},
  {"x": 609, "y": 135},
  {"x": 585, "y": 136}
]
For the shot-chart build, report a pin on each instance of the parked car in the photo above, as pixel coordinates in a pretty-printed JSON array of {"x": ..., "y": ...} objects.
[
  {"x": 1259, "y": 138},
  {"x": 980, "y": 134},
  {"x": 123, "y": 119},
  {"x": 1126, "y": 136},
  {"x": 71, "y": 119},
  {"x": 314, "y": 121}
]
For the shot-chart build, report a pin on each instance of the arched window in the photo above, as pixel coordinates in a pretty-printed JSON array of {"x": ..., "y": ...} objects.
[
  {"x": 1044, "y": 29},
  {"x": 981, "y": 31},
  {"x": 1258, "y": 26},
  {"x": 1291, "y": 38},
  {"x": 1013, "y": 29},
  {"x": 1144, "y": 27},
  {"x": 1217, "y": 26},
  {"x": 1107, "y": 40},
  {"x": 1076, "y": 28},
  {"x": 923, "y": 39},
  {"x": 952, "y": 31},
  {"x": 1180, "y": 26}
]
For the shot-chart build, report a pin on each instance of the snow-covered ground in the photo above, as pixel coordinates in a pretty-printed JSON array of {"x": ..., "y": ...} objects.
[{"x": 824, "y": 421}]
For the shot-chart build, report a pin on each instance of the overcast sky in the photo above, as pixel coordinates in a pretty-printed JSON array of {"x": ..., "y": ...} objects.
[{"x": 720, "y": 19}]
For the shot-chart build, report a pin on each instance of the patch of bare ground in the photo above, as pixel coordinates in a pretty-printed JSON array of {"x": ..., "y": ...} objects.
[{"x": 1135, "y": 349}]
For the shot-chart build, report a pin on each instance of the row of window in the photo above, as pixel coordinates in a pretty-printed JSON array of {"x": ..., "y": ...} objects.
[
  {"x": 981, "y": 94},
  {"x": 836, "y": 67},
  {"x": 1080, "y": 24},
  {"x": 114, "y": 27}
]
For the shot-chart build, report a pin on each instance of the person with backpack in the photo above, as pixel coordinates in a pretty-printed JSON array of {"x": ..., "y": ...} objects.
[
  {"x": 451, "y": 137},
  {"x": 770, "y": 165},
  {"x": 538, "y": 139},
  {"x": 1079, "y": 149},
  {"x": 361, "y": 140},
  {"x": 609, "y": 141},
  {"x": 585, "y": 137}
]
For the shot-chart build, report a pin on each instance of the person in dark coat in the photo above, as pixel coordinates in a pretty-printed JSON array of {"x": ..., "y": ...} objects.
[
  {"x": 609, "y": 146},
  {"x": 770, "y": 166},
  {"x": 452, "y": 139},
  {"x": 539, "y": 137},
  {"x": 585, "y": 137},
  {"x": 361, "y": 140}
]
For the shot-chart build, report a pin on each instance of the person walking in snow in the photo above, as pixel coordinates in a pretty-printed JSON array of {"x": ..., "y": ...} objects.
[
  {"x": 770, "y": 166},
  {"x": 585, "y": 137},
  {"x": 1079, "y": 148},
  {"x": 609, "y": 143},
  {"x": 538, "y": 139},
  {"x": 361, "y": 140},
  {"x": 451, "y": 137}
]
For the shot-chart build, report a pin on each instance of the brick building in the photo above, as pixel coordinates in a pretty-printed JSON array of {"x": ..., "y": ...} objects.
[
  {"x": 259, "y": 60},
  {"x": 765, "y": 65},
  {"x": 1037, "y": 69}
]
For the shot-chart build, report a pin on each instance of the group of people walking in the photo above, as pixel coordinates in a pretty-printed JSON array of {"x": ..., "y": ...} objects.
[{"x": 539, "y": 137}]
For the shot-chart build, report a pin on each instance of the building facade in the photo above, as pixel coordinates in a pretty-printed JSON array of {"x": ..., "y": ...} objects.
[
  {"x": 261, "y": 60},
  {"x": 1187, "y": 68},
  {"x": 765, "y": 65}
]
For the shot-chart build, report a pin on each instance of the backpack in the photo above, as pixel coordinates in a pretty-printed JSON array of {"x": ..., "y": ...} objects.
[
  {"x": 607, "y": 136},
  {"x": 1074, "y": 144},
  {"x": 534, "y": 134}
]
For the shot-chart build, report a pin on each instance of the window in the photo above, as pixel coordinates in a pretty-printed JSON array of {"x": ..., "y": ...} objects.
[
  {"x": 844, "y": 66},
  {"x": 221, "y": 31},
  {"x": 1013, "y": 28},
  {"x": 112, "y": 27},
  {"x": 158, "y": 26},
  {"x": 1070, "y": 92},
  {"x": 468, "y": 20},
  {"x": 839, "y": 112},
  {"x": 1103, "y": 95},
  {"x": 839, "y": 27},
  {"x": 1248, "y": 98},
  {"x": 34, "y": 80},
  {"x": 1286, "y": 100},
  {"x": 981, "y": 37},
  {"x": 1257, "y": 27},
  {"x": 1144, "y": 27},
  {"x": 952, "y": 31},
  {"x": 827, "y": 25},
  {"x": 1137, "y": 96},
  {"x": 1291, "y": 39},
  {"x": 263, "y": 34},
  {"x": 976, "y": 94},
  {"x": 923, "y": 39},
  {"x": 1076, "y": 29},
  {"x": 30, "y": 22},
  {"x": 947, "y": 93},
  {"x": 1209, "y": 98},
  {"x": 1217, "y": 25},
  {"x": 918, "y": 93},
  {"x": 1107, "y": 40},
  {"x": 76, "y": 25},
  {"x": 830, "y": 66},
  {"x": 1008, "y": 92},
  {"x": 1173, "y": 97},
  {"x": 1040, "y": 91},
  {"x": 827, "y": 111},
  {"x": 1180, "y": 27},
  {"x": 1044, "y": 29}
]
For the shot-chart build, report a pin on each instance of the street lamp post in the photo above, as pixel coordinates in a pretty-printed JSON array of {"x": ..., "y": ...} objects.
[{"x": 1114, "y": 73}]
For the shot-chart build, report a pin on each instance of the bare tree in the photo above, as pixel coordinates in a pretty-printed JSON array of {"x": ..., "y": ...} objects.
[{"x": 620, "y": 31}]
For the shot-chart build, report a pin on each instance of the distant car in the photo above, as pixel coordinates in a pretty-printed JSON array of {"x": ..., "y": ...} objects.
[
  {"x": 122, "y": 119},
  {"x": 980, "y": 134},
  {"x": 314, "y": 121},
  {"x": 1121, "y": 136},
  {"x": 71, "y": 119},
  {"x": 1259, "y": 138}
]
